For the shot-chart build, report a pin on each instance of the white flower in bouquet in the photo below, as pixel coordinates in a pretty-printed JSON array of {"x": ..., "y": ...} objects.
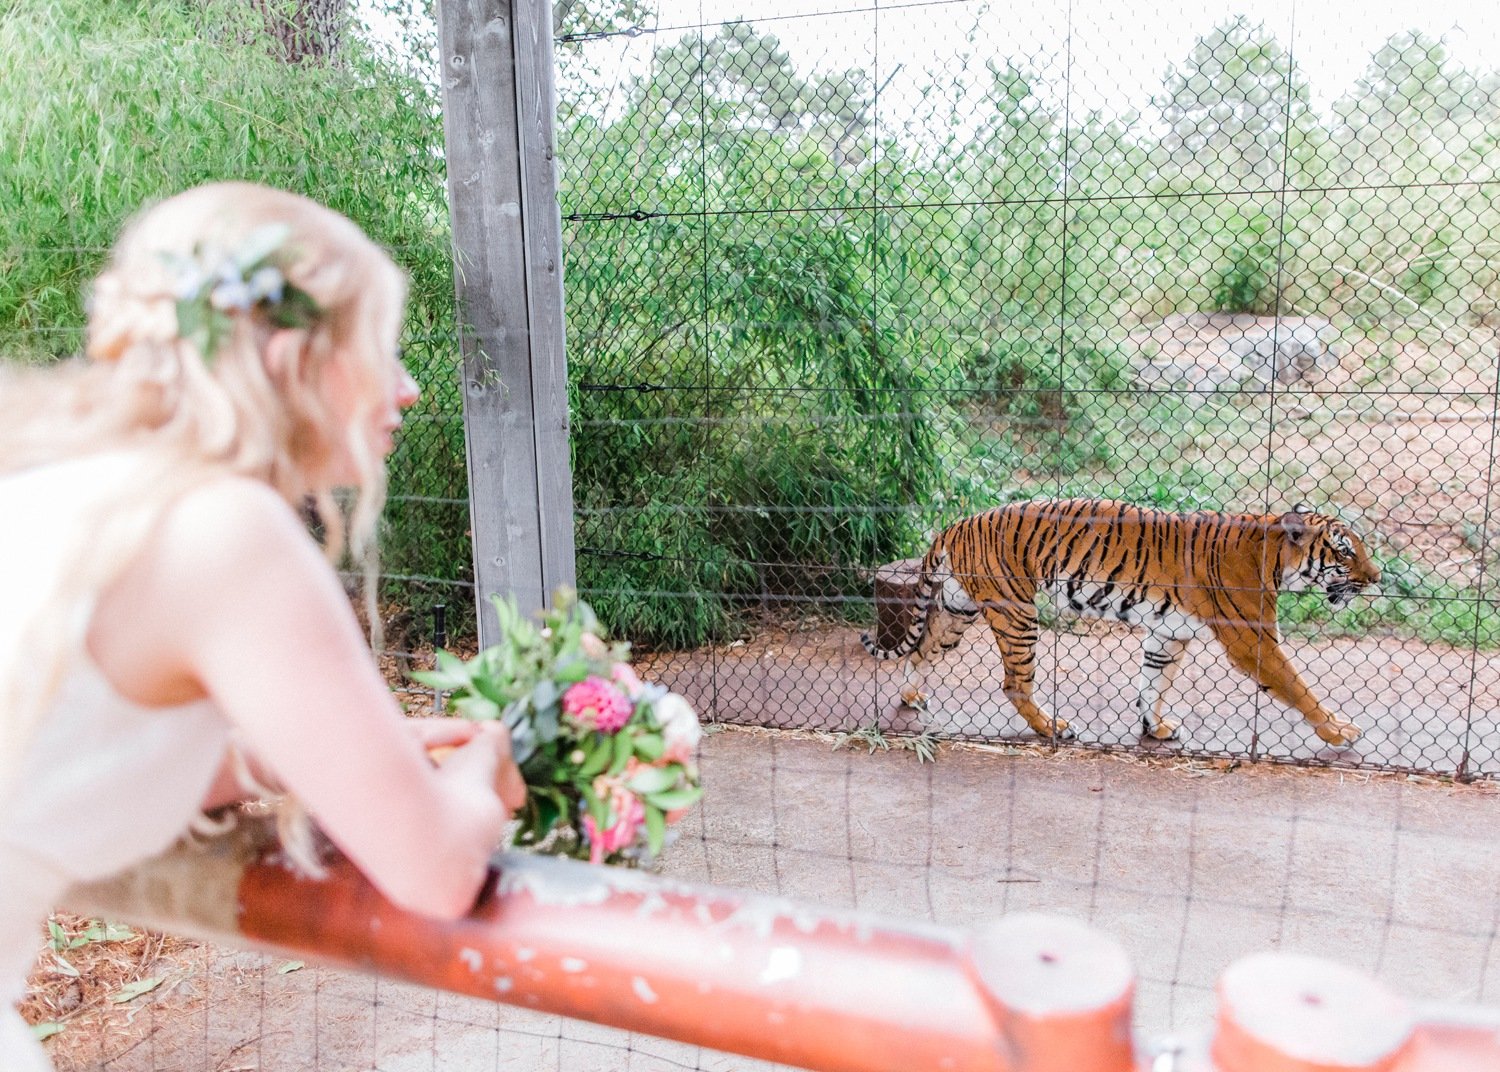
[{"x": 680, "y": 730}]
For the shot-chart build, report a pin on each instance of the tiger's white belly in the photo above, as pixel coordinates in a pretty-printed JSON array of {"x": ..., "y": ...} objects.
[{"x": 1100, "y": 599}]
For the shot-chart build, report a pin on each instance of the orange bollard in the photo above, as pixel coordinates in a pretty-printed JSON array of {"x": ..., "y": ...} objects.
[
  {"x": 1451, "y": 1043},
  {"x": 1283, "y": 1012},
  {"x": 1060, "y": 991}
]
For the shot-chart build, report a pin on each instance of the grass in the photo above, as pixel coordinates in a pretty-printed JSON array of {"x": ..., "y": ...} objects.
[{"x": 1413, "y": 602}]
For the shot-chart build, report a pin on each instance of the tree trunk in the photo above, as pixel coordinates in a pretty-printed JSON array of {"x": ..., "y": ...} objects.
[
  {"x": 304, "y": 30},
  {"x": 895, "y": 600}
]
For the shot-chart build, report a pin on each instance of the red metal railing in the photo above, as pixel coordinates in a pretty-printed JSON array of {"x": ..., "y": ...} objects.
[{"x": 789, "y": 982}]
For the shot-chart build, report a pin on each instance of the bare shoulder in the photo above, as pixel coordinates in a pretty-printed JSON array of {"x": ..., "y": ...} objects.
[
  {"x": 225, "y": 561},
  {"x": 233, "y": 499},
  {"x": 232, "y": 517},
  {"x": 232, "y": 539}
]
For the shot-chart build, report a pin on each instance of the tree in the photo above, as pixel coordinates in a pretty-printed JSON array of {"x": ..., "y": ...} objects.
[
  {"x": 1415, "y": 114},
  {"x": 579, "y": 17},
  {"x": 1238, "y": 124},
  {"x": 741, "y": 82},
  {"x": 1230, "y": 109}
]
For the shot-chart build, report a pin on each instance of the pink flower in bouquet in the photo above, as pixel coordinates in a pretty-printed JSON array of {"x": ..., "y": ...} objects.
[
  {"x": 626, "y": 678},
  {"x": 627, "y": 815},
  {"x": 595, "y": 704},
  {"x": 680, "y": 731}
]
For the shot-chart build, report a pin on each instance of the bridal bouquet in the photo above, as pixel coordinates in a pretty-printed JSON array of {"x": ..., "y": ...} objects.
[{"x": 607, "y": 758}]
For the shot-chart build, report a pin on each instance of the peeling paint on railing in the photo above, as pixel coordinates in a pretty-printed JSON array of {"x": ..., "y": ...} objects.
[{"x": 789, "y": 982}]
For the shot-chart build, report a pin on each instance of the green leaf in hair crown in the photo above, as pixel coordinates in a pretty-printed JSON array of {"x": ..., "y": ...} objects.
[
  {"x": 211, "y": 287},
  {"x": 609, "y": 761}
]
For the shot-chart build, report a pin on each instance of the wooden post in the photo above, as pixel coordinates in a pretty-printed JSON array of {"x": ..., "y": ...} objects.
[{"x": 507, "y": 248}]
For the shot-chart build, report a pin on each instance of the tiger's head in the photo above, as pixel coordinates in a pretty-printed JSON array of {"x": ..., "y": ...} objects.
[{"x": 1323, "y": 552}]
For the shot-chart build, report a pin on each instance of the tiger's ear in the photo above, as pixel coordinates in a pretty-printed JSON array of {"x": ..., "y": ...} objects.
[{"x": 1294, "y": 525}]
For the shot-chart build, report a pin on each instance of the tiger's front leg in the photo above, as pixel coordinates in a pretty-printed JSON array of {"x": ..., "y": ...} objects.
[
  {"x": 1015, "y": 629},
  {"x": 1161, "y": 658},
  {"x": 1256, "y": 653}
]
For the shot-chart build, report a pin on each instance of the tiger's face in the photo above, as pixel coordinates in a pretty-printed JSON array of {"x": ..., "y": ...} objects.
[{"x": 1328, "y": 554}]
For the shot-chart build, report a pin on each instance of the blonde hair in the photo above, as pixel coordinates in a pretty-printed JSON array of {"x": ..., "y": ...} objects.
[{"x": 257, "y": 406}]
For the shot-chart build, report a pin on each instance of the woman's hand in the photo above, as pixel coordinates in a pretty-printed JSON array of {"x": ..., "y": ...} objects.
[
  {"x": 474, "y": 750},
  {"x": 439, "y": 736}
]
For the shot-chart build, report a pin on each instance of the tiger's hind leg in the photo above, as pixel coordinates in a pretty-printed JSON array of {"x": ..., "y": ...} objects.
[
  {"x": 914, "y": 681},
  {"x": 1014, "y": 626},
  {"x": 945, "y": 628},
  {"x": 1161, "y": 658}
]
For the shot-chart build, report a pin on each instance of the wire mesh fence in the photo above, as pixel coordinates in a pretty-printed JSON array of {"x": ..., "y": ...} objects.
[
  {"x": 839, "y": 277},
  {"x": 1189, "y": 864}
]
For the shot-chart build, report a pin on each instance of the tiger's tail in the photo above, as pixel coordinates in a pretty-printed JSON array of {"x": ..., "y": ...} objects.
[{"x": 929, "y": 585}]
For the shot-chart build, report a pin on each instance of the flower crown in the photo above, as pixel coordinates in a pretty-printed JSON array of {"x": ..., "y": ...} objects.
[{"x": 211, "y": 288}]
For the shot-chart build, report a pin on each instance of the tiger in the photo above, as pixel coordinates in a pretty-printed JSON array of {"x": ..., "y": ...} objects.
[{"x": 1177, "y": 575}]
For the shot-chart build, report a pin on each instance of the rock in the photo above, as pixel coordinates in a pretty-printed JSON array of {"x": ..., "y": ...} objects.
[
  {"x": 1207, "y": 352},
  {"x": 1288, "y": 351}
]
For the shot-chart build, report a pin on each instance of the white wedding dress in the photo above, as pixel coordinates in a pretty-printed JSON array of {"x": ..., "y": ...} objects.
[{"x": 102, "y": 783}]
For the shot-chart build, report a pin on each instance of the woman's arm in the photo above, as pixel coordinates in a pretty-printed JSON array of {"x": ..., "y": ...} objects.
[
  {"x": 232, "y": 599},
  {"x": 242, "y": 777}
]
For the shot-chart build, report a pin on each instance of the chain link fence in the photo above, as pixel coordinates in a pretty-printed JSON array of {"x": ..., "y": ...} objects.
[
  {"x": 125, "y": 117},
  {"x": 838, "y": 278}
]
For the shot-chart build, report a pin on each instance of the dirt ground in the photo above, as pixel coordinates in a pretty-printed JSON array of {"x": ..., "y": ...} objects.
[
  {"x": 1189, "y": 863},
  {"x": 1423, "y": 707}
]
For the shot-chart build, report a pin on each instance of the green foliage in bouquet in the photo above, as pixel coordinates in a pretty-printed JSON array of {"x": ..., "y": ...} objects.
[{"x": 607, "y": 759}]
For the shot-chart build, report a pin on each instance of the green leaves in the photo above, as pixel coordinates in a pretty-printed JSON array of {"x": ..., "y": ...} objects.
[
  {"x": 651, "y": 780},
  {"x": 656, "y": 828},
  {"x": 520, "y": 680},
  {"x": 213, "y": 287},
  {"x": 131, "y": 991},
  {"x": 600, "y": 753},
  {"x": 672, "y": 799},
  {"x": 649, "y": 746},
  {"x": 59, "y": 939}
]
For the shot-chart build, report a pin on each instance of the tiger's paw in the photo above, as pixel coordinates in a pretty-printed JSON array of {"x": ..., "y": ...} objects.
[
  {"x": 1337, "y": 731},
  {"x": 1056, "y": 729},
  {"x": 914, "y": 698},
  {"x": 1164, "y": 730}
]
